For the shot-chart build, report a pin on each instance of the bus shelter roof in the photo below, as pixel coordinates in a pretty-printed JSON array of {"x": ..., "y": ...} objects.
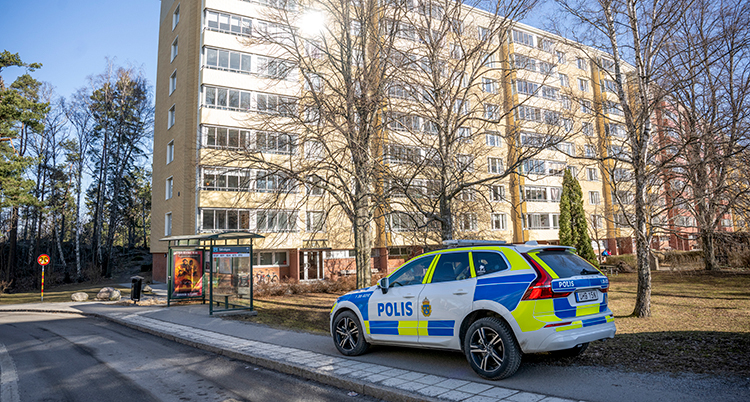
[{"x": 206, "y": 237}]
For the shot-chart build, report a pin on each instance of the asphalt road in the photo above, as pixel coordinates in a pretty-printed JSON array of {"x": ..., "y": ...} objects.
[{"x": 54, "y": 357}]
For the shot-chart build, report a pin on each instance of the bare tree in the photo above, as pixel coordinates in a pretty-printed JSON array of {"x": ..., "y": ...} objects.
[
  {"x": 450, "y": 107},
  {"x": 636, "y": 34},
  {"x": 709, "y": 120}
]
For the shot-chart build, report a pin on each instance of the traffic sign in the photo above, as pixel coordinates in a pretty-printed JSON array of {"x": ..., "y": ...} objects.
[{"x": 43, "y": 259}]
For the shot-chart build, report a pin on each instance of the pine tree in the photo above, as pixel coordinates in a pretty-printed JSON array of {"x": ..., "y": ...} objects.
[{"x": 573, "y": 227}]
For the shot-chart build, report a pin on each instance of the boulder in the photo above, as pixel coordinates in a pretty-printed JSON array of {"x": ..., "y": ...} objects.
[
  {"x": 108, "y": 293},
  {"x": 79, "y": 296}
]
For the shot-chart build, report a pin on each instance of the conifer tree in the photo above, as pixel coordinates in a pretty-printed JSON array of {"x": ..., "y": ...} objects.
[{"x": 573, "y": 227}]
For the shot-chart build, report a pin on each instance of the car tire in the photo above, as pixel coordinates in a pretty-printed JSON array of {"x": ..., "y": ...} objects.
[
  {"x": 572, "y": 352},
  {"x": 491, "y": 349},
  {"x": 348, "y": 334}
]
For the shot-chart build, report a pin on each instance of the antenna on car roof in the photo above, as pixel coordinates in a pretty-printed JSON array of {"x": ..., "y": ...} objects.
[
  {"x": 532, "y": 243},
  {"x": 469, "y": 243}
]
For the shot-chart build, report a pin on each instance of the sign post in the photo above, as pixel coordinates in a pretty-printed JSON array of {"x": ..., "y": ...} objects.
[{"x": 43, "y": 260}]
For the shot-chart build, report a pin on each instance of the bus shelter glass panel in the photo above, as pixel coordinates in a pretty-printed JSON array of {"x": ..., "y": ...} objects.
[{"x": 231, "y": 277}]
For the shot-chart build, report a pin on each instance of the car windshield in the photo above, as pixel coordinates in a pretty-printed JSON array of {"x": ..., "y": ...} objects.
[{"x": 566, "y": 264}]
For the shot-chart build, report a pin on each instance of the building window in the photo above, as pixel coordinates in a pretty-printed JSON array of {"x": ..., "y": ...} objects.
[
  {"x": 536, "y": 194},
  {"x": 493, "y": 139},
  {"x": 491, "y": 112},
  {"x": 171, "y": 117},
  {"x": 587, "y": 128},
  {"x": 465, "y": 162},
  {"x": 276, "y": 221},
  {"x": 581, "y": 63},
  {"x": 597, "y": 221},
  {"x": 467, "y": 222},
  {"x": 243, "y": 101},
  {"x": 566, "y": 103},
  {"x": 497, "y": 193},
  {"x": 592, "y": 174},
  {"x": 499, "y": 222},
  {"x": 271, "y": 259},
  {"x": 174, "y": 49},
  {"x": 560, "y": 57},
  {"x": 173, "y": 82},
  {"x": 168, "y": 224},
  {"x": 586, "y": 107},
  {"x": 589, "y": 151},
  {"x": 315, "y": 221},
  {"x": 583, "y": 84},
  {"x": 489, "y": 85},
  {"x": 243, "y": 63},
  {"x": 176, "y": 17},
  {"x": 225, "y": 219},
  {"x": 170, "y": 184},
  {"x": 170, "y": 152},
  {"x": 403, "y": 222},
  {"x": 522, "y": 38},
  {"x": 494, "y": 165},
  {"x": 225, "y": 179},
  {"x": 594, "y": 198},
  {"x": 564, "y": 82}
]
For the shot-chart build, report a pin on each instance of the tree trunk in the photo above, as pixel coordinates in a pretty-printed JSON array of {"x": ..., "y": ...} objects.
[
  {"x": 709, "y": 254},
  {"x": 363, "y": 247},
  {"x": 13, "y": 240},
  {"x": 446, "y": 218}
]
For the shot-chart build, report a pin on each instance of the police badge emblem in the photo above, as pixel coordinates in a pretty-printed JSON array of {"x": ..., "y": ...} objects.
[{"x": 426, "y": 308}]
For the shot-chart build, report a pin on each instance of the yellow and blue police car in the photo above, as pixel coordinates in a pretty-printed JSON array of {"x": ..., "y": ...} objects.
[{"x": 492, "y": 301}]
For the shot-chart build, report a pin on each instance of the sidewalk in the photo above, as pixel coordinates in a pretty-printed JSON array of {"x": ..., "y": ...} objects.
[{"x": 305, "y": 355}]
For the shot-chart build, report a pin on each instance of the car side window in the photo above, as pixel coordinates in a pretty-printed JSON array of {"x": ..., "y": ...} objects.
[
  {"x": 487, "y": 263},
  {"x": 411, "y": 273},
  {"x": 451, "y": 267}
]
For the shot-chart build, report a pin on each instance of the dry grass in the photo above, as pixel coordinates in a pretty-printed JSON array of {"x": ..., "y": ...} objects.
[
  {"x": 700, "y": 323},
  {"x": 61, "y": 293},
  {"x": 300, "y": 312}
]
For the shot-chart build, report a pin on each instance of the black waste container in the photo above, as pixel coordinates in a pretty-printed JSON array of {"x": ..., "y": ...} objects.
[{"x": 135, "y": 287}]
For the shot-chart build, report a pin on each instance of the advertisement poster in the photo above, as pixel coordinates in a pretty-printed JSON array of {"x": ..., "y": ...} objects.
[{"x": 188, "y": 274}]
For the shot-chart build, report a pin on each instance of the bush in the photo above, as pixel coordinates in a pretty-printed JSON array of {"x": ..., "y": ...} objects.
[
  {"x": 623, "y": 262},
  {"x": 681, "y": 259},
  {"x": 289, "y": 287}
]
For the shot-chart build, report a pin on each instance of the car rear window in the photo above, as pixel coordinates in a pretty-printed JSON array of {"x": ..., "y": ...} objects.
[{"x": 566, "y": 264}]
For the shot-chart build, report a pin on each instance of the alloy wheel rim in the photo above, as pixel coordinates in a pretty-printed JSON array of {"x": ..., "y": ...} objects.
[
  {"x": 347, "y": 334},
  {"x": 486, "y": 349}
]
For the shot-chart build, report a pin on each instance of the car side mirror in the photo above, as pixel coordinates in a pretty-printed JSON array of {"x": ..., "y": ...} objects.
[{"x": 383, "y": 285}]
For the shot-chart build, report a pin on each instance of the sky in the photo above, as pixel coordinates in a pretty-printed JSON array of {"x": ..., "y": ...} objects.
[{"x": 74, "y": 38}]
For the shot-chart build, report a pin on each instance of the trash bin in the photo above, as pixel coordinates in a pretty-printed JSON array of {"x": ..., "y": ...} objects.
[{"x": 136, "y": 285}]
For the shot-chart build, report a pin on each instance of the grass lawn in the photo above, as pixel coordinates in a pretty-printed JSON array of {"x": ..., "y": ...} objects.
[
  {"x": 60, "y": 293},
  {"x": 700, "y": 323}
]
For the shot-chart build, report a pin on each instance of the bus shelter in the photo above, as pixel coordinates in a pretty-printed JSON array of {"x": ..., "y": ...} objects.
[{"x": 217, "y": 264}]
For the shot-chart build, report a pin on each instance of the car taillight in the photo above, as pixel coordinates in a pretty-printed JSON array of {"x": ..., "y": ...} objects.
[{"x": 541, "y": 288}]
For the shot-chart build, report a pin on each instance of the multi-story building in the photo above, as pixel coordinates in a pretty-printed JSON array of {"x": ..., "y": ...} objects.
[{"x": 211, "y": 78}]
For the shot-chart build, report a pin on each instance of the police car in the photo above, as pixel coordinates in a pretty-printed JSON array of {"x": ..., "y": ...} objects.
[{"x": 491, "y": 301}]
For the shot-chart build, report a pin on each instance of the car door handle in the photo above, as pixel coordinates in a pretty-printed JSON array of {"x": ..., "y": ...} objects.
[
  {"x": 460, "y": 292},
  {"x": 409, "y": 296}
]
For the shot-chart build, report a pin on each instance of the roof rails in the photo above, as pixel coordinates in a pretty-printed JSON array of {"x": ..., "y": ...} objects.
[{"x": 470, "y": 243}]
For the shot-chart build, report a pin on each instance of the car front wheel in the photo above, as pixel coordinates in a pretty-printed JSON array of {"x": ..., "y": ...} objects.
[
  {"x": 491, "y": 349},
  {"x": 348, "y": 334}
]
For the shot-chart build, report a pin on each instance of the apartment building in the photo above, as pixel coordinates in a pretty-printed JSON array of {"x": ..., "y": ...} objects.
[{"x": 212, "y": 80}]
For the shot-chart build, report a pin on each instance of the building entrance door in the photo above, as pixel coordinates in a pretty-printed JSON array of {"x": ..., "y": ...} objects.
[{"x": 311, "y": 267}]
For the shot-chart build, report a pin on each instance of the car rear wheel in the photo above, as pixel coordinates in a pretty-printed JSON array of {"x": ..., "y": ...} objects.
[
  {"x": 491, "y": 349},
  {"x": 348, "y": 334}
]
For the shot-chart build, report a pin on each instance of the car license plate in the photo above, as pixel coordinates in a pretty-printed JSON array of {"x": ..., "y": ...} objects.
[{"x": 587, "y": 295}]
